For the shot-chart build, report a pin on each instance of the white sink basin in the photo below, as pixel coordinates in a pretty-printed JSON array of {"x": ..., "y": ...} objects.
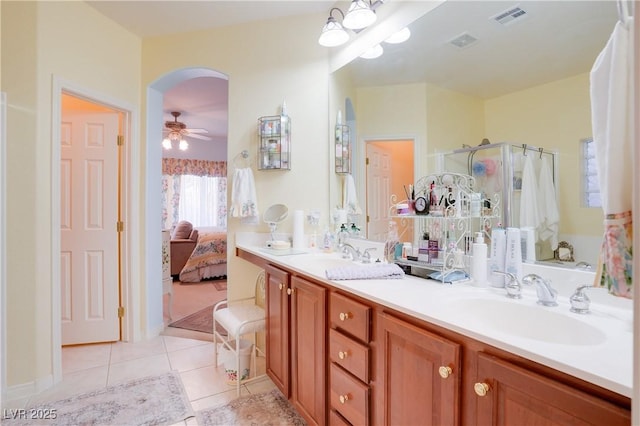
[{"x": 526, "y": 321}]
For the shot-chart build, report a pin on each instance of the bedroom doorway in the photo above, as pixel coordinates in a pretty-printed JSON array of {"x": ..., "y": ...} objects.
[{"x": 194, "y": 154}]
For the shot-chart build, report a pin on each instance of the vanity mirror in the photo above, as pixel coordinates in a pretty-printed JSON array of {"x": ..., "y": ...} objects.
[{"x": 510, "y": 72}]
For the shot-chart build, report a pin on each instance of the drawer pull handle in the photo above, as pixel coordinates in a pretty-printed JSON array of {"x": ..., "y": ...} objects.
[
  {"x": 280, "y": 286},
  {"x": 344, "y": 398},
  {"x": 289, "y": 291},
  {"x": 481, "y": 389},
  {"x": 445, "y": 371},
  {"x": 345, "y": 316},
  {"x": 343, "y": 355}
]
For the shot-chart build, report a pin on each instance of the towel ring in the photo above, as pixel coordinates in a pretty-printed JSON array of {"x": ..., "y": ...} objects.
[{"x": 244, "y": 155}]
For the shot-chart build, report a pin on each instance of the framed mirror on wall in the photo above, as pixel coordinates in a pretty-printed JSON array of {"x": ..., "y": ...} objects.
[{"x": 494, "y": 87}]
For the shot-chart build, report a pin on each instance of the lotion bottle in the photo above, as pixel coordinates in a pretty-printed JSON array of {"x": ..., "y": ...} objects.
[
  {"x": 479, "y": 261},
  {"x": 513, "y": 261},
  {"x": 497, "y": 256}
]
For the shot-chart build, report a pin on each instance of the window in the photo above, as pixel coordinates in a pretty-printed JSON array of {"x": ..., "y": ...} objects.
[
  {"x": 590, "y": 184},
  {"x": 201, "y": 200}
]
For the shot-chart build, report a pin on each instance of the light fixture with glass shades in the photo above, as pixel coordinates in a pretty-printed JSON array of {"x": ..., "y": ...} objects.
[
  {"x": 360, "y": 15},
  {"x": 399, "y": 37},
  {"x": 373, "y": 52},
  {"x": 167, "y": 143},
  {"x": 333, "y": 34}
]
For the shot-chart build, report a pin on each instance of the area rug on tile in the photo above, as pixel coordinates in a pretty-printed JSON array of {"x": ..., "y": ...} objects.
[
  {"x": 269, "y": 408},
  {"x": 220, "y": 285},
  {"x": 200, "y": 321},
  {"x": 156, "y": 400}
]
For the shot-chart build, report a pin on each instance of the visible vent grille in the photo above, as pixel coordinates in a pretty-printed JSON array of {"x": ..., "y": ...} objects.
[
  {"x": 463, "y": 40},
  {"x": 510, "y": 16}
]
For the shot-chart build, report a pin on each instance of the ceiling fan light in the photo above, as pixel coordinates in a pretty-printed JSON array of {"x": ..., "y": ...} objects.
[
  {"x": 166, "y": 143},
  {"x": 399, "y": 37},
  {"x": 359, "y": 15},
  {"x": 373, "y": 52},
  {"x": 333, "y": 34},
  {"x": 183, "y": 145}
]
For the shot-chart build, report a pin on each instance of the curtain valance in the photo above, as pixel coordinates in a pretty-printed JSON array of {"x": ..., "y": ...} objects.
[{"x": 179, "y": 166}]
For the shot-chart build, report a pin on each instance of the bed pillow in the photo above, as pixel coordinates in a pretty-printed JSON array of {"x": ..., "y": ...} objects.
[{"x": 182, "y": 231}]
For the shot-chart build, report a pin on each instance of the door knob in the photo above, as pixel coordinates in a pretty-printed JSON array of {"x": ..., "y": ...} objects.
[
  {"x": 343, "y": 355},
  {"x": 280, "y": 286},
  {"x": 344, "y": 398}
]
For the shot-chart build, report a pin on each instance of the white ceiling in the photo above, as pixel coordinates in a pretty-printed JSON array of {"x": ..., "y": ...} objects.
[{"x": 557, "y": 39}]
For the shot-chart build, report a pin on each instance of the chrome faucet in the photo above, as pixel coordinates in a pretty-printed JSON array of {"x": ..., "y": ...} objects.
[
  {"x": 546, "y": 294},
  {"x": 580, "y": 301},
  {"x": 349, "y": 251},
  {"x": 513, "y": 286},
  {"x": 366, "y": 256}
]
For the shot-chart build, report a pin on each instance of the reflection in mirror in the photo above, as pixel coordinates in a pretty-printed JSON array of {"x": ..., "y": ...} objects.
[{"x": 522, "y": 82}]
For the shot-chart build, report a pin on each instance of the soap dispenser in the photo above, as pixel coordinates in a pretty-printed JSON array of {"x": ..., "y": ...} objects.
[{"x": 479, "y": 261}]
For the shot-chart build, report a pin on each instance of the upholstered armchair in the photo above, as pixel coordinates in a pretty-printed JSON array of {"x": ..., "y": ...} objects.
[{"x": 183, "y": 241}]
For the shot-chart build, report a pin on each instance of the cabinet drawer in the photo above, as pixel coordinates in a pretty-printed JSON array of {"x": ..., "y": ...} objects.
[
  {"x": 349, "y": 354},
  {"x": 349, "y": 397},
  {"x": 336, "y": 419},
  {"x": 350, "y": 316}
]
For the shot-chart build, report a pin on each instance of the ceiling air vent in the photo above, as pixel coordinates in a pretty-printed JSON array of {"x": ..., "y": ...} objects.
[
  {"x": 463, "y": 40},
  {"x": 510, "y": 16}
]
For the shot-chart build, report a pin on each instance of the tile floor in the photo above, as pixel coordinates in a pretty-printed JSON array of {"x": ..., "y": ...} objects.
[{"x": 90, "y": 367}]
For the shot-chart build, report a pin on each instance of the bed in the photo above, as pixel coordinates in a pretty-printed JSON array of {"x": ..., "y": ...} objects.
[{"x": 208, "y": 259}]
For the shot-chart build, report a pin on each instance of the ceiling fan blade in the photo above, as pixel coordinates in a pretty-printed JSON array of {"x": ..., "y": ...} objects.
[
  {"x": 197, "y": 130},
  {"x": 197, "y": 136}
]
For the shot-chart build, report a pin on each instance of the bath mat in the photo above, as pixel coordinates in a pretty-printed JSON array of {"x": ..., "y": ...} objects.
[
  {"x": 155, "y": 400},
  {"x": 220, "y": 285},
  {"x": 269, "y": 408},
  {"x": 201, "y": 321}
]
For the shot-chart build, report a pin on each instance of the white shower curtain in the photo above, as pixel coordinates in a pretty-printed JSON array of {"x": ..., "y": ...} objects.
[{"x": 612, "y": 121}]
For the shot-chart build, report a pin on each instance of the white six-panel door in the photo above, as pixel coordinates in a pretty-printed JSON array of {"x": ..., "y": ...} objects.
[
  {"x": 88, "y": 219},
  {"x": 378, "y": 192}
]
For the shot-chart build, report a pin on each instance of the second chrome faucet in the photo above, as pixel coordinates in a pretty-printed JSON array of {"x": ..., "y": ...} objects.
[{"x": 547, "y": 295}]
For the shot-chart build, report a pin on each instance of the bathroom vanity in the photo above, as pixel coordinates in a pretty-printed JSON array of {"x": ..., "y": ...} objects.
[{"x": 416, "y": 351}]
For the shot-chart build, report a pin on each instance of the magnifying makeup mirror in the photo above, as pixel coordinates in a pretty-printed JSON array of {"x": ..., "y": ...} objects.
[{"x": 273, "y": 216}]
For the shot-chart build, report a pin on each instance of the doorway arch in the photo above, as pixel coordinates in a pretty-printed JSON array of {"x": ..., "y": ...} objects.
[{"x": 153, "y": 226}]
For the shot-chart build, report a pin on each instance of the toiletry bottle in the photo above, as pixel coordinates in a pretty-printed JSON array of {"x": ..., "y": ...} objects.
[
  {"x": 343, "y": 234},
  {"x": 497, "y": 256},
  {"x": 479, "y": 261},
  {"x": 513, "y": 261},
  {"x": 392, "y": 240}
]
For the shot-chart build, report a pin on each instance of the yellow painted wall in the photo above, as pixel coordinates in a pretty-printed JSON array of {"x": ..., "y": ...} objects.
[
  {"x": 554, "y": 116},
  {"x": 71, "y": 41},
  {"x": 265, "y": 65}
]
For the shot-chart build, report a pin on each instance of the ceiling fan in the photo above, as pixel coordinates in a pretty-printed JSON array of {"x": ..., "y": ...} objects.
[{"x": 176, "y": 130}]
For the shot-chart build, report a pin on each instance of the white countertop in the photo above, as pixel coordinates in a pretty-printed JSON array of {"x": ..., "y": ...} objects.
[{"x": 602, "y": 345}]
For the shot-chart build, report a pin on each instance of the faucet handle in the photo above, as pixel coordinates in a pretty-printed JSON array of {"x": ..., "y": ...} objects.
[
  {"x": 514, "y": 289},
  {"x": 366, "y": 256},
  {"x": 580, "y": 301}
]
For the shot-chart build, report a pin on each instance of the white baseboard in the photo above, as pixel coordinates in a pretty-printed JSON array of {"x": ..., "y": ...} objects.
[{"x": 26, "y": 390}]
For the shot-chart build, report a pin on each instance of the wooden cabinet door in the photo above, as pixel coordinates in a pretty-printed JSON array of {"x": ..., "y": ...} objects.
[
  {"x": 515, "y": 396},
  {"x": 409, "y": 387},
  {"x": 277, "y": 335},
  {"x": 308, "y": 350}
]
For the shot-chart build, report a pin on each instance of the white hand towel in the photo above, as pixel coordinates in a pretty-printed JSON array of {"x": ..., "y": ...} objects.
[
  {"x": 350, "y": 198},
  {"x": 244, "y": 203},
  {"x": 529, "y": 196},
  {"x": 550, "y": 216},
  {"x": 366, "y": 272}
]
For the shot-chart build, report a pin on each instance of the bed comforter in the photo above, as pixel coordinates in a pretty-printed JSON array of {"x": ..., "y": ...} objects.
[{"x": 208, "y": 259}]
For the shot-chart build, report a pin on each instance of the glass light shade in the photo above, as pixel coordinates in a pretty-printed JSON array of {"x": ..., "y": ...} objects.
[
  {"x": 359, "y": 15},
  {"x": 183, "y": 145},
  {"x": 166, "y": 143},
  {"x": 332, "y": 34},
  {"x": 399, "y": 37},
  {"x": 373, "y": 52}
]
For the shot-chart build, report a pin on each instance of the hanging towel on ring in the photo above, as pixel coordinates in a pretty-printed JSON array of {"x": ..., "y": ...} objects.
[
  {"x": 350, "y": 198},
  {"x": 612, "y": 121},
  {"x": 244, "y": 203}
]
